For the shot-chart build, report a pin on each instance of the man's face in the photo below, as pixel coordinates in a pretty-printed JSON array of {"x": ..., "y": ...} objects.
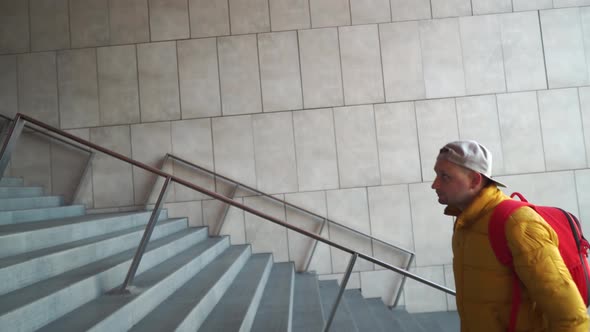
[{"x": 453, "y": 184}]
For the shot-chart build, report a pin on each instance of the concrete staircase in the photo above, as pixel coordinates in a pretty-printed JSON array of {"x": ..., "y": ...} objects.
[{"x": 60, "y": 267}]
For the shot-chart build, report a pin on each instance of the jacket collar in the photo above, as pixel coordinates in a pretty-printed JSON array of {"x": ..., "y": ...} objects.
[{"x": 486, "y": 200}]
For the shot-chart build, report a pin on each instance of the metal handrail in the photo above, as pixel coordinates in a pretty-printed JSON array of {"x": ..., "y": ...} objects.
[
  {"x": 17, "y": 126},
  {"x": 280, "y": 201}
]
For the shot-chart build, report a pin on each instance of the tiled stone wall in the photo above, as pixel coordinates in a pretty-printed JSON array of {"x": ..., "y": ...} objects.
[{"x": 338, "y": 106}]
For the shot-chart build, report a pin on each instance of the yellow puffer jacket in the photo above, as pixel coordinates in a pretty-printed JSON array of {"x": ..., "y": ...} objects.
[{"x": 550, "y": 299}]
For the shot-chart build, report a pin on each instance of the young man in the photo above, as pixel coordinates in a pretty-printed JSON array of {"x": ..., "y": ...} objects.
[{"x": 550, "y": 300}]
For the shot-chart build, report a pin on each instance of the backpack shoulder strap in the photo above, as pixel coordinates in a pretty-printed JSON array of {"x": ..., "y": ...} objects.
[
  {"x": 497, "y": 236},
  {"x": 497, "y": 227}
]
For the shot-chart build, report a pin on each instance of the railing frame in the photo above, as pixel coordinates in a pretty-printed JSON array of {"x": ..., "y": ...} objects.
[{"x": 18, "y": 124}]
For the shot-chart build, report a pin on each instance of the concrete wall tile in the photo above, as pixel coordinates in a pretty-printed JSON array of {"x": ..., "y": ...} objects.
[
  {"x": 280, "y": 71},
  {"x": 349, "y": 207},
  {"x": 239, "y": 74},
  {"x": 129, "y": 21},
  {"x": 481, "y": 41},
  {"x": 478, "y": 120},
  {"x": 561, "y": 125},
  {"x": 401, "y": 55},
  {"x": 259, "y": 231},
  {"x": 584, "y": 94},
  {"x": 301, "y": 247},
  {"x": 168, "y": 19},
  {"x": 550, "y": 189},
  {"x": 315, "y": 143},
  {"x": 8, "y": 85},
  {"x": 437, "y": 125},
  {"x": 523, "y": 51},
  {"x": 520, "y": 129},
  {"x": 89, "y": 23},
  {"x": 68, "y": 165},
  {"x": 192, "y": 141},
  {"x": 149, "y": 144},
  {"x": 451, "y": 8},
  {"x": 289, "y": 15},
  {"x": 191, "y": 210},
  {"x": 31, "y": 160},
  {"x": 391, "y": 218},
  {"x": 442, "y": 59},
  {"x": 249, "y": 16},
  {"x": 158, "y": 81},
  {"x": 582, "y": 180},
  {"x": 232, "y": 225},
  {"x": 112, "y": 179},
  {"x": 585, "y": 19},
  {"x": 563, "y": 42},
  {"x": 199, "y": 78},
  {"x": 570, "y": 3},
  {"x": 85, "y": 193},
  {"x": 450, "y": 283},
  {"x": 50, "y": 25},
  {"x": 405, "y": 10},
  {"x": 397, "y": 139},
  {"x": 14, "y": 26},
  {"x": 117, "y": 85},
  {"x": 356, "y": 142},
  {"x": 522, "y": 5},
  {"x": 383, "y": 284},
  {"x": 37, "y": 86},
  {"x": 274, "y": 148},
  {"x": 423, "y": 298},
  {"x": 329, "y": 13},
  {"x": 233, "y": 148},
  {"x": 370, "y": 11},
  {"x": 209, "y": 18},
  {"x": 428, "y": 219},
  {"x": 320, "y": 68},
  {"x": 481, "y": 7},
  {"x": 361, "y": 64},
  {"x": 78, "y": 88}
]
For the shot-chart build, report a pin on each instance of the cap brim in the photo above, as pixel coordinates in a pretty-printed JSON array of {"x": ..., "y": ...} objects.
[{"x": 498, "y": 183}]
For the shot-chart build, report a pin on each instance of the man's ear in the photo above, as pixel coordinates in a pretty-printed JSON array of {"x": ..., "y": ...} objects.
[{"x": 477, "y": 180}]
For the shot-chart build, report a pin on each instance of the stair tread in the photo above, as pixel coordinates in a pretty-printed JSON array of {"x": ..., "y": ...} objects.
[
  {"x": 7, "y": 216},
  {"x": 16, "y": 299},
  {"x": 342, "y": 320},
  {"x": 179, "y": 305},
  {"x": 362, "y": 315},
  {"x": 20, "y": 258},
  {"x": 444, "y": 321},
  {"x": 20, "y": 192},
  {"x": 232, "y": 310},
  {"x": 307, "y": 307},
  {"x": 27, "y": 203},
  {"x": 88, "y": 315},
  {"x": 384, "y": 317},
  {"x": 275, "y": 310},
  {"x": 11, "y": 181},
  {"x": 57, "y": 222}
]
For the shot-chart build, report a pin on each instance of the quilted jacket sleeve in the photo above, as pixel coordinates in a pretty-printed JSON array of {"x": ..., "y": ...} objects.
[{"x": 542, "y": 271}]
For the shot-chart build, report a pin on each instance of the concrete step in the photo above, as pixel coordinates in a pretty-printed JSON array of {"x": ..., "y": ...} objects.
[
  {"x": 276, "y": 307},
  {"x": 118, "y": 312},
  {"x": 8, "y": 181},
  {"x": 38, "y": 214},
  {"x": 14, "y": 192},
  {"x": 188, "y": 307},
  {"x": 444, "y": 321},
  {"x": 384, "y": 317},
  {"x": 34, "y": 306},
  {"x": 407, "y": 321},
  {"x": 361, "y": 314},
  {"x": 343, "y": 319},
  {"x": 24, "y": 237},
  {"x": 41, "y": 264},
  {"x": 308, "y": 315},
  {"x": 27, "y": 203},
  {"x": 237, "y": 308}
]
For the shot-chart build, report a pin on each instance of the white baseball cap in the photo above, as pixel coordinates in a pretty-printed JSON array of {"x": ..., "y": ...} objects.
[{"x": 471, "y": 155}]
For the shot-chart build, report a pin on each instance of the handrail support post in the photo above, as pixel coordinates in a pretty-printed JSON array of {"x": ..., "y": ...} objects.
[
  {"x": 12, "y": 136},
  {"x": 341, "y": 291},
  {"x": 146, "y": 237}
]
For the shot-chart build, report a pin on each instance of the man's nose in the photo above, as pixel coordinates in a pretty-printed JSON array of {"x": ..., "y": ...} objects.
[{"x": 434, "y": 183}]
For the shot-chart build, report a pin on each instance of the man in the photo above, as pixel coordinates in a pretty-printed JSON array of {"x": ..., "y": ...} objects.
[{"x": 550, "y": 300}]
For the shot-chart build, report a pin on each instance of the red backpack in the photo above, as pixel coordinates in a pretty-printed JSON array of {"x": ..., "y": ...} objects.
[{"x": 573, "y": 247}]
